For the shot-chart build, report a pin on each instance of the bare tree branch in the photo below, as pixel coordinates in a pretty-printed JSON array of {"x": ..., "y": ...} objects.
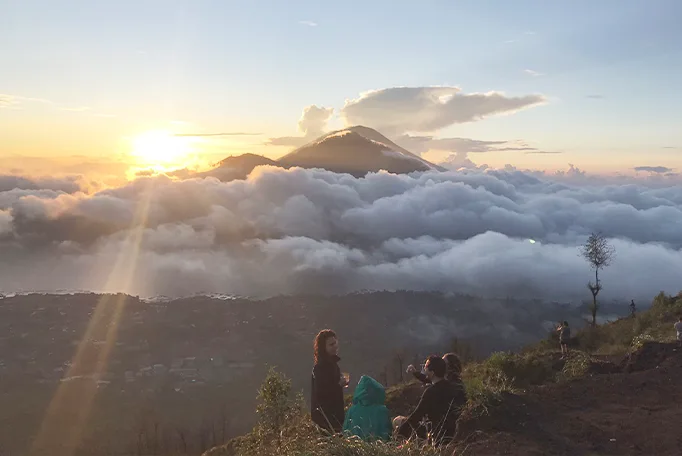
[{"x": 599, "y": 253}]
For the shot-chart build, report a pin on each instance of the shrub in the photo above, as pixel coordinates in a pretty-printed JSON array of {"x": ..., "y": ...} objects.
[
  {"x": 521, "y": 370},
  {"x": 576, "y": 366},
  {"x": 639, "y": 341},
  {"x": 485, "y": 391}
]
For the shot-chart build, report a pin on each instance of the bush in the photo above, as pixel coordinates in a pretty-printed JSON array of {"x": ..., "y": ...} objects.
[
  {"x": 485, "y": 391},
  {"x": 576, "y": 366},
  {"x": 521, "y": 370}
]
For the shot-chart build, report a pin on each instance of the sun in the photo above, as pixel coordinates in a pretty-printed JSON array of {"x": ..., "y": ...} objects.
[{"x": 161, "y": 149}]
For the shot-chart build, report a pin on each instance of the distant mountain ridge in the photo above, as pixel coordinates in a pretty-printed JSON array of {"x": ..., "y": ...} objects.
[{"x": 356, "y": 150}]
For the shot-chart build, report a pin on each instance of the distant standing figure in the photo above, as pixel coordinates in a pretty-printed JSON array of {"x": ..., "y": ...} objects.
[
  {"x": 633, "y": 308},
  {"x": 326, "y": 401},
  {"x": 678, "y": 328},
  {"x": 564, "y": 337}
]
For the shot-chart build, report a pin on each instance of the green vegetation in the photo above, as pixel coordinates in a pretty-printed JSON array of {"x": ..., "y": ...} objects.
[{"x": 284, "y": 428}]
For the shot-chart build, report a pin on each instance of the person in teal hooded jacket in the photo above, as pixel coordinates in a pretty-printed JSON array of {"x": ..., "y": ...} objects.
[{"x": 368, "y": 417}]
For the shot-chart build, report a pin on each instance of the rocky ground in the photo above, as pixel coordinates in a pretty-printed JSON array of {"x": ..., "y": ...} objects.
[{"x": 626, "y": 408}]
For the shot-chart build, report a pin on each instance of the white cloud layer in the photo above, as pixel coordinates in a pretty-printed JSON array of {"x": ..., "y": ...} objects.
[{"x": 287, "y": 231}]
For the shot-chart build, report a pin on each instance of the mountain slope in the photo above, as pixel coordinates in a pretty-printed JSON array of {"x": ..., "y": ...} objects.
[
  {"x": 236, "y": 167},
  {"x": 356, "y": 150}
]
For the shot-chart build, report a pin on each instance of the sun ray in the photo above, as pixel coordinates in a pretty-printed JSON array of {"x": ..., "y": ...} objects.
[{"x": 66, "y": 417}]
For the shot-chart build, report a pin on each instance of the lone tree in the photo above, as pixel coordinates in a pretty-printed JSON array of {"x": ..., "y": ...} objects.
[{"x": 599, "y": 254}]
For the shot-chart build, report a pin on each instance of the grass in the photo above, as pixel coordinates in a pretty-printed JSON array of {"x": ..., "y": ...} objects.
[{"x": 486, "y": 384}]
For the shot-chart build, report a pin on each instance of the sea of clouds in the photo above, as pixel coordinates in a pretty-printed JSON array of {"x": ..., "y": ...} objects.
[{"x": 291, "y": 231}]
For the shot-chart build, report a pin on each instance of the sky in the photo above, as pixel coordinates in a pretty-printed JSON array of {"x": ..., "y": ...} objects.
[{"x": 594, "y": 84}]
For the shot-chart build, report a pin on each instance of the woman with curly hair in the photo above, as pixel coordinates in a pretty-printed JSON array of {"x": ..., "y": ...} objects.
[{"x": 326, "y": 401}]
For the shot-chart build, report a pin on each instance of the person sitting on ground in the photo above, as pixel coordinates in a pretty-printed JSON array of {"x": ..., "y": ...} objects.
[
  {"x": 368, "y": 417},
  {"x": 453, "y": 370},
  {"x": 564, "y": 337},
  {"x": 440, "y": 406},
  {"x": 326, "y": 395},
  {"x": 678, "y": 328}
]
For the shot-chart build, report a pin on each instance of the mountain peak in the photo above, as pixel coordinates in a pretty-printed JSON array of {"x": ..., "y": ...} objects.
[{"x": 356, "y": 150}]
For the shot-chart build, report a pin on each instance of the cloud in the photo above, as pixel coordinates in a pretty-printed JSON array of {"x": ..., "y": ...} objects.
[
  {"x": 199, "y": 135},
  {"x": 296, "y": 230},
  {"x": 653, "y": 169},
  {"x": 400, "y": 110},
  {"x": 16, "y": 102},
  {"x": 13, "y": 101},
  {"x": 68, "y": 184},
  {"x": 421, "y": 144},
  {"x": 308, "y": 23},
  {"x": 460, "y": 149},
  {"x": 313, "y": 123},
  {"x": 595, "y": 97},
  {"x": 6, "y": 100},
  {"x": 533, "y": 73},
  {"x": 551, "y": 152},
  {"x": 75, "y": 109}
]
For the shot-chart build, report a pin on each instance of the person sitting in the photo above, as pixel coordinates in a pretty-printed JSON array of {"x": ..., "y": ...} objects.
[
  {"x": 440, "y": 406},
  {"x": 368, "y": 417},
  {"x": 678, "y": 328},
  {"x": 453, "y": 370}
]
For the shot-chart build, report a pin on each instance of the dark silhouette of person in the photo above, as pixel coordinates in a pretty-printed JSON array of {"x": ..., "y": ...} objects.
[
  {"x": 440, "y": 405},
  {"x": 633, "y": 308},
  {"x": 326, "y": 395},
  {"x": 453, "y": 371},
  {"x": 564, "y": 338}
]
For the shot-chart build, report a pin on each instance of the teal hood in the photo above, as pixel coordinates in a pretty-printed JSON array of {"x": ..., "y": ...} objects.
[
  {"x": 369, "y": 392},
  {"x": 368, "y": 417}
]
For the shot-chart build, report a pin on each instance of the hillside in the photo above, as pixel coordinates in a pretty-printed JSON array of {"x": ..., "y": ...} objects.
[
  {"x": 621, "y": 399},
  {"x": 234, "y": 167},
  {"x": 616, "y": 394},
  {"x": 193, "y": 365}
]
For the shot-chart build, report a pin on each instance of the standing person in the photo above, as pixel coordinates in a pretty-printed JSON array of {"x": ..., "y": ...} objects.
[
  {"x": 564, "y": 336},
  {"x": 678, "y": 328},
  {"x": 633, "y": 308},
  {"x": 440, "y": 405},
  {"x": 326, "y": 396}
]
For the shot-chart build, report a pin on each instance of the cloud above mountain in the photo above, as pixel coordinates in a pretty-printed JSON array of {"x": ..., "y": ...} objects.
[
  {"x": 399, "y": 110},
  {"x": 313, "y": 123},
  {"x": 296, "y": 230}
]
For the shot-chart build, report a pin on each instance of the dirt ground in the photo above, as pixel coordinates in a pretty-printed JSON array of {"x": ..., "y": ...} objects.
[{"x": 633, "y": 408}]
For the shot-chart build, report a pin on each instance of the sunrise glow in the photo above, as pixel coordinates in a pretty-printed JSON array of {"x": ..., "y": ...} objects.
[{"x": 161, "y": 149}]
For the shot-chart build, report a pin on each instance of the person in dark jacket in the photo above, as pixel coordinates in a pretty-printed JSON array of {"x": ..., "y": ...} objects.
[
  {"x": 440, "y": 406},
  {"x": 453, "y": 370},
  {"x": 326, "y": 401}
]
